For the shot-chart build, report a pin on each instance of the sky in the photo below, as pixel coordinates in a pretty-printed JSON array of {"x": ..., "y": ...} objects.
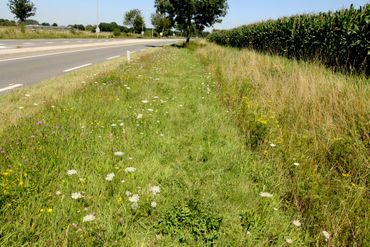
[{"x": 240, "y": 12}]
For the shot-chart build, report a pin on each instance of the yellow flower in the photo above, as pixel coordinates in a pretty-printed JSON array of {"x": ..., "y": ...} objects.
[
  {"x": 42, "y": 210},
  {"x": 262, "y": 121},
  {"x": 119, "y": 199},
  {"x": 50, "y": 210},
  {"x": 346, "y": 174}
]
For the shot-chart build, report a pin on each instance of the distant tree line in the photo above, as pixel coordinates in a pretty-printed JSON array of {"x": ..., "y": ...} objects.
[{"x": 188, "y": 17}]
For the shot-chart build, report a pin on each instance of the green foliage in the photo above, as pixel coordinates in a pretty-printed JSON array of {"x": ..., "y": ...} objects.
[
  {"x": 116, "y": 32},
  {"x": 339, "y": 40},
  {"x": 134, "y": 19},
  {"x": 32, "y": 22},
  {"x": 5, "y": 22},
  {"x": 161, "y": 23},
  {"x": 191, "y": 221},
  {"x": 22, "y": 9},
  {"x": 192, "y": 15}
]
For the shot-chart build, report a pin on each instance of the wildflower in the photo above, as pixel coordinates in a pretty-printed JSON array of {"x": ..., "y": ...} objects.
[
  {"x": 262, "y": 121},
  {"x": 265, "y": 194},
  {"x": 89, "y": 217},
  {"x": 76, "y": 195},
  {"x": 21, "y": 108},
  {"x": 134, "y": 198},
  {"x": 110, "y": 177},
  {"x": 289, "y": 241},
  {"x": 114, "y": 125},
  {"x": 27, "y": 95},
  {"x": 71, "y": 172},
  {"x": 139, "y": 116},
  {"x": 297, "y": 223},
  {"x": 326, "y": 235},
  {"x": 145, "y": 101},
  {"x": 134, "y": 206},
  {"x": 121, "y": 124},
  {"x": 42, "y": 210},
  {"x": 119, "y": 154},
  {"x": 155, "y": 97},
  {"x": 119, "y": 199},
  {"x": 50, "y": 210},
  {"x": 155, "y": 190},
  {"x": 153, "y": 204},
  {"x": 296, "y": 164},
  {"x": 130, "y": 169},
  {"x": 150, "y": 110},
  {"x": 272, "y": 145},
  {"x": 346, "y": 175},
  {"x": 123, "y": 181},
  {"x": 58, "y": 193},
  {"x": 128, "y": 193}
]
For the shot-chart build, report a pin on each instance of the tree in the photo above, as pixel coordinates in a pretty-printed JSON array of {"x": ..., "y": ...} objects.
[
  {"x": 161, "y": 23},
  {"x": 22, "y": 9},
  {"x": 135, "y": 20},
  {"x": 54, "y": 24},
  {"x": 192, "y": 15}
]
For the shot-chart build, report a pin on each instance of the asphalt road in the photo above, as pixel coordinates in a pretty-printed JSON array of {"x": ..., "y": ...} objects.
[{"x": 22, "y": 69}]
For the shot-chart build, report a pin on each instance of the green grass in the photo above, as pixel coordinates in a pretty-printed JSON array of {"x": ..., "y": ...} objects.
[
  {"x": 209, "y": 117},
  {"x": 188, "y": 146}
]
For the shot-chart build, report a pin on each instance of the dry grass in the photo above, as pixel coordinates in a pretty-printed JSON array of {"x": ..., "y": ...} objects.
[{"x": 317, "y": 118}]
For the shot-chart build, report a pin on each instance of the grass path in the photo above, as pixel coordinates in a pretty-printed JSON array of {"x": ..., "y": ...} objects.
[{"x": 162, "y": 112}]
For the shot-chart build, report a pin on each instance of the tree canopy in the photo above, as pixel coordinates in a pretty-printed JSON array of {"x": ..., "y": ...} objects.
[
  {"x": 192, "y": 15},
  {"x": 22, "y": 9},
  {"x": 161, "y": 23},
  {"x": 135, "y": 20}
]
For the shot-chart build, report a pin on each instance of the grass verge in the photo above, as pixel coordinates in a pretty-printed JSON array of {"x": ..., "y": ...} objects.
[
  {"x": 183, "y": 177},
  {"x": 25, "y": 102},
  {"x": 309, "y": 129}
]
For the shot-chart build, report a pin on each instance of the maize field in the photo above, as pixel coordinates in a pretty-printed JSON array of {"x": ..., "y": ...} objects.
[{"x": 340, "y": 39}]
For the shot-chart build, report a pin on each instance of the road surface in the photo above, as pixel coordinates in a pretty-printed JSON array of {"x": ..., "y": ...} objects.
[{"x": 24, "y": 62}]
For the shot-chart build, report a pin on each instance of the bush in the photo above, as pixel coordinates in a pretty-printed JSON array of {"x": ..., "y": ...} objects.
[{"x": 116, "y": 32}]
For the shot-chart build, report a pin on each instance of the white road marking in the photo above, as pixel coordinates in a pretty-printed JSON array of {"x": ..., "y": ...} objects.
[
  {"x": 66, "y": 42},
  {"x": 63, "y": 52},
  {"x": 10, "y": 87},
  {"x": 27, "y": 43},
  {"x": 78, "y": 67},
  {"x": 49, "y": 42},
  {"x": 2, "y": 47},
  {"x": 111, "y": 58}
]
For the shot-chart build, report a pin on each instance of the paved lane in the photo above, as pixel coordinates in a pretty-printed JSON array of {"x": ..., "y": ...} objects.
[{"x": 25, "y": 70}]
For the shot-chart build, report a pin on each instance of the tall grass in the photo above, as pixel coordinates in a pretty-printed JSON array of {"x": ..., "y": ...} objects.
[
  {"x": 162, "y": 112},
  {"x": 310, "y": 129}
]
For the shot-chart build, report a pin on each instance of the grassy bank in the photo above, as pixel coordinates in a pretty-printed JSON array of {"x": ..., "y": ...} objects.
[
  {"x": 162, "y": 112},
  {"x": 309, "y": 129},
  {"x": 195, "y": 147}
]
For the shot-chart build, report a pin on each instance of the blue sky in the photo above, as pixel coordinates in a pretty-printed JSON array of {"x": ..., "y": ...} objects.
[{"x": 240, "y": 12}]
